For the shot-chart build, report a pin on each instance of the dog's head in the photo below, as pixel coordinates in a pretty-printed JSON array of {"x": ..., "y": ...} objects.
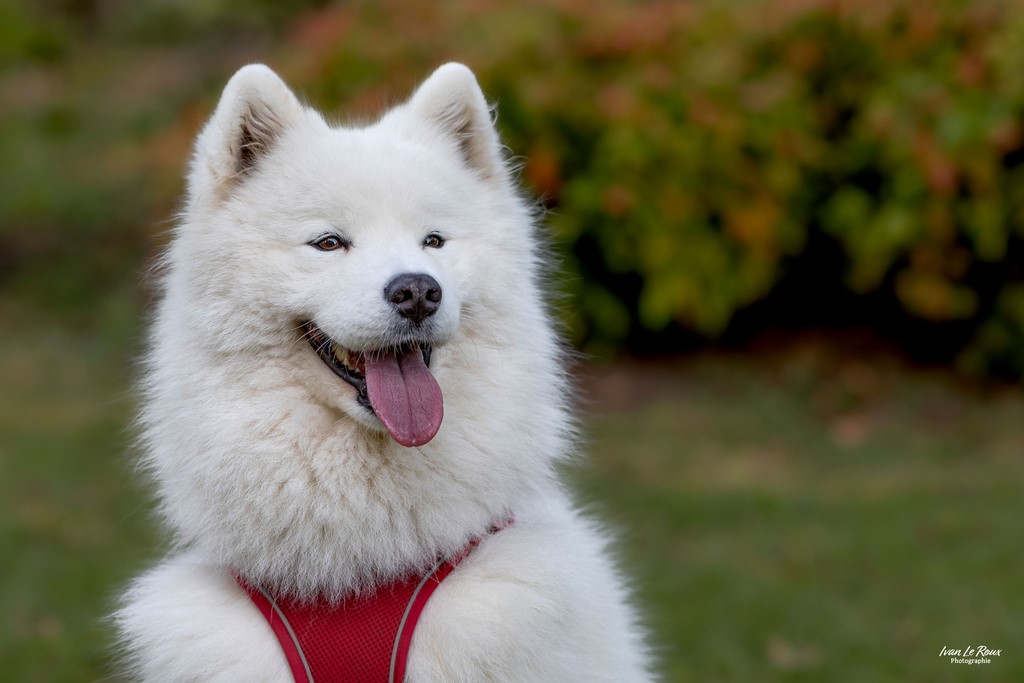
[
  {"x": 352, "y": 367},
  {"x": 381, "y": 248}
]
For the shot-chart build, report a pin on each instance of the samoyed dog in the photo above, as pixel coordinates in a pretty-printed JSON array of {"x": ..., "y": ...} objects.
[{"x": 353, "y": 380}]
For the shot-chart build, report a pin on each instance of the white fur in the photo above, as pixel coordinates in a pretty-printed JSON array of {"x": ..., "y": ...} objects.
[{"x": 265, "y": 463}]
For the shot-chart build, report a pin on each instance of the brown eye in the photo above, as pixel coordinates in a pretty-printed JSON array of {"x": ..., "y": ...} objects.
[
  {"x": 331, "y": 243},
  {"x": 433, "y": 240}
]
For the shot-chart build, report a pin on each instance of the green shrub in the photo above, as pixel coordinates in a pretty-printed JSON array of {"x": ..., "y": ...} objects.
[{"x": 694, "y": 148}]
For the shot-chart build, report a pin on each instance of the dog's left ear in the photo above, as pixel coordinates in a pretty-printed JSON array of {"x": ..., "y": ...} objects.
[{"x": 451, "y": 100}]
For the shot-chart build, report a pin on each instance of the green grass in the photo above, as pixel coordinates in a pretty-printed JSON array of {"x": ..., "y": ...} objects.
[
  {"x": 830, "y": 525},
  {"x": 73, "y": 525},
  {"x": 792, "y": 520}
]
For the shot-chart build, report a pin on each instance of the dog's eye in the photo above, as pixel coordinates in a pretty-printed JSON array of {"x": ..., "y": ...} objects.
[
  {"x": 331, "y": 243},
  {"x": 433, "y": 240}
]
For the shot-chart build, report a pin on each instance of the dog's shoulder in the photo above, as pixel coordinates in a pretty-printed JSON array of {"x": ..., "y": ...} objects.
[
  {"x": 185, "y": 620},
  {"x": 538, "y": 601}
]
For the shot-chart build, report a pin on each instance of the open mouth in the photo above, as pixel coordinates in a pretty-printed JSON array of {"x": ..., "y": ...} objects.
[{"x": 393, "y": 383}]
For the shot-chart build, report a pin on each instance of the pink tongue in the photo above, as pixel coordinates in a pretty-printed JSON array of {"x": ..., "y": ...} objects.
[{"x": 405, "y": 396}]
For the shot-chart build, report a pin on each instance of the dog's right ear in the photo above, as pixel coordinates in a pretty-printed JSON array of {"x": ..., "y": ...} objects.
[{"x": 255, "y": 109}]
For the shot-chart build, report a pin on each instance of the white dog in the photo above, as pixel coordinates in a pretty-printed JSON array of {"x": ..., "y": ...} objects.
[{"x": 354, "y": 381}]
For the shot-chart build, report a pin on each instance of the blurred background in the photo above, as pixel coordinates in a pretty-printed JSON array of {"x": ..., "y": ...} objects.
[{"x": 792, "y": 243}]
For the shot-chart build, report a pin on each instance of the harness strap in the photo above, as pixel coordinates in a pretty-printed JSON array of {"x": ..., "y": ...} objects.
[{"x": 363, "y": 639}]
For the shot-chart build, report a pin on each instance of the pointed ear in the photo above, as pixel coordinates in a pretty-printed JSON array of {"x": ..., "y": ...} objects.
[
  {"x": 255, "y": 109},
  {"x": 451, "y": 100}
]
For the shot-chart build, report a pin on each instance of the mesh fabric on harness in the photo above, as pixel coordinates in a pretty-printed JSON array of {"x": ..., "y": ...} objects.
[{"x": 360, "y": 640}]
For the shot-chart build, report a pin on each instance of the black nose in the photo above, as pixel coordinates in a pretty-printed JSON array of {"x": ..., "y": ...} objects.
[{"x": 417, "y": 296}]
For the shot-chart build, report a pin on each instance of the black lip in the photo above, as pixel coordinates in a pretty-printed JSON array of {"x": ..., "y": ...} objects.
[{"x": 324, "y": 347}]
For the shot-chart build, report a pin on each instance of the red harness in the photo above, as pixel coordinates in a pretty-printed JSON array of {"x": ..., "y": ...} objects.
[{"x": 360, "y": 640}]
